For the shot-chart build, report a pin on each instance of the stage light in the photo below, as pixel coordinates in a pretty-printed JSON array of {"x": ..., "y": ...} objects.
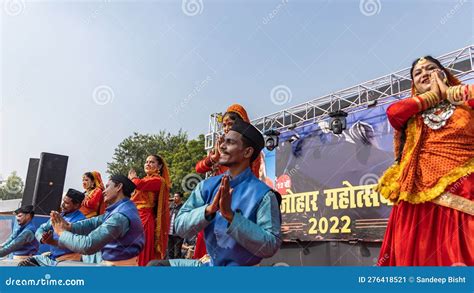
[
  {"x": 271, "y": 139},
  {"x": 338, "y": 121},
  {"x": 294, "y": 138},
  {"x": 371, "y": 103}
]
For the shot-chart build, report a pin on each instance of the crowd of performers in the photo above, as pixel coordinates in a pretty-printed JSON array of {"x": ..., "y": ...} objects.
[{"x": 236, "y": 216}]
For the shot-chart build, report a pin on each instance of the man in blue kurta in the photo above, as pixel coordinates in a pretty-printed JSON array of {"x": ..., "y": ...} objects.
[
  {"x": 118, "y": 233},
  {"x": 22, "y": 243},
  {"x": 240, "y": 214},
  {"x": 70, "y": 206}
]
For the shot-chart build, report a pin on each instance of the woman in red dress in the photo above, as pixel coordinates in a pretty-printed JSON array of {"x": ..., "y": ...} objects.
[
  {"x": 93, "y": 204},
  {"x": 151, "y": 198},
  {"x": 432, "y": 180}
]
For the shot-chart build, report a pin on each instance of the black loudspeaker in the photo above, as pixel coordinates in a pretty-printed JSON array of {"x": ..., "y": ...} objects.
[
  {"x": 30, "y": 182},
  {"x": 49, "y": 183}
]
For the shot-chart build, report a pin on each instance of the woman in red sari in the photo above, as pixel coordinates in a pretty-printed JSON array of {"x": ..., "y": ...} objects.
[
  {"x": 151, "y": 198},
  {"x": 432, "y": 181},
  {"x": 93, "y": 204},
  {"x": 209, "y": 163}
]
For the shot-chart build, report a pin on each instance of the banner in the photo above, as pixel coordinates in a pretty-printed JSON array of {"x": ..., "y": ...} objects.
[{"x": 327, "y": 180}]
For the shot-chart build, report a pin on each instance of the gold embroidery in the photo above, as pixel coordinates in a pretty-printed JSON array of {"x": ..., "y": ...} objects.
[{"x": 456, "y": 202}]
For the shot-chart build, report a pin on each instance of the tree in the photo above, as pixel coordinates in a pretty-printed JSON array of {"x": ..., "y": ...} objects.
[
  {"x": 180, "y": 153},
  {"x": 12, "y": 187}
]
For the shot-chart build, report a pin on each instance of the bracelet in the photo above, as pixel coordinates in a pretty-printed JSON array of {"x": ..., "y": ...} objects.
[
  {"x": 418, "y": 102},
  {"x": 428, "y": 100},
  {"x": 449, "y": 93},
  {"x": 459, "y": 96},
  {"x": 456, "y": 95}
]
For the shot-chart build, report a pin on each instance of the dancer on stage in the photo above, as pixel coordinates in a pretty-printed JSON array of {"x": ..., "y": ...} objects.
[
  {"x": 152, "y": 200},
  {"x": 432, "y": 181},
  {"x": 45, "y": 234},
  {"x": 118, "y": 233},
  {"x": 22, "y": 242},
  {"x": 239, "y": 214},
  {"x": 211, "y": 162},
  {"x": 93, "y": 205}
]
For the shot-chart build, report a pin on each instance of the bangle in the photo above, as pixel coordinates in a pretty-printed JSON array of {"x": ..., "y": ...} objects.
[
  {"x": 449, "y": 94},
  {"x": 428, "y": 100},
  {"x": 418, "y": 102},
  {"x": 456, "y": 95}
]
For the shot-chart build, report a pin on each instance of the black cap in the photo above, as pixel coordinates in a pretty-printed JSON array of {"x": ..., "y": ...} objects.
[
  {"x": 29, "y": 209},
  {"x": 252, "y": 134},
  {"x": 76, "y": 195},
  {"x": 128, "y": 185}
]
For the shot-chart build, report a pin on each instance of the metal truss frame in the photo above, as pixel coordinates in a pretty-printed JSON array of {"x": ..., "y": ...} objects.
[{"x": 352, "y": 99}]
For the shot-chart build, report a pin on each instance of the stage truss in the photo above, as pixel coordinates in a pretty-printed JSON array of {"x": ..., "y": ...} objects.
[{"x": 355, "y": 98}]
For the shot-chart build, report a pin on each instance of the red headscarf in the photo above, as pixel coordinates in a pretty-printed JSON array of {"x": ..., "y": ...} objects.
[{"x": 239, "y": 110}]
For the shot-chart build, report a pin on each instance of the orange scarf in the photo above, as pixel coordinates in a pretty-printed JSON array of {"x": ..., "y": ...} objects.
[{"x": 162, "y": 226}]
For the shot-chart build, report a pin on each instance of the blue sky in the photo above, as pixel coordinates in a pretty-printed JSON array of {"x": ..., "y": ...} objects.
[{"x": 79, "y": 77}]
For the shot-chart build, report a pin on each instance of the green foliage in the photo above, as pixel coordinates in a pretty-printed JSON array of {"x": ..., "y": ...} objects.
[{"x": 180, "y": 153}]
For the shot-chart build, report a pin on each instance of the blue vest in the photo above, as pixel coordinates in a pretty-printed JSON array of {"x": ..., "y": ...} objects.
[
  {"x": 247, "y": 195},
  {"x": 73, "y": 217},
  {"x": 131, "y": 244},
  {"x": 31, "y": 247}
]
